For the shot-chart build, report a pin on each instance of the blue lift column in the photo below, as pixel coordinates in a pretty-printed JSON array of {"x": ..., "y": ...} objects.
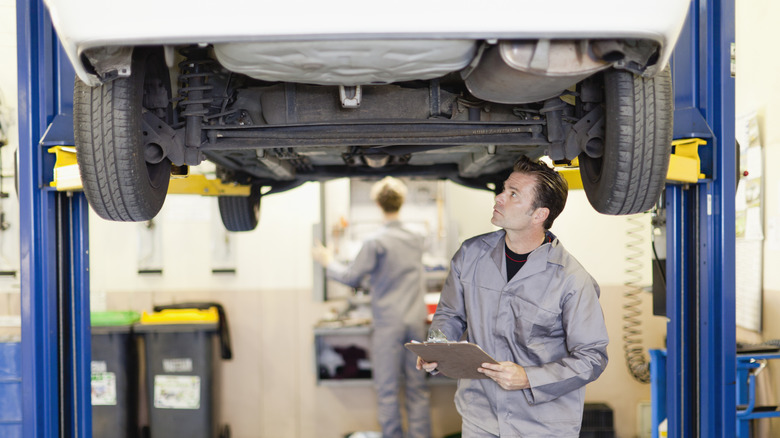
[
  {"x": 53, "y": 242},
  {"x": 701, "y": 332}
]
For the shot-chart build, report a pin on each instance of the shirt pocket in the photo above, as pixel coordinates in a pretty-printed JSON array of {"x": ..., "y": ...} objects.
[
  {"x": 562, "y": 415},
  {"x": 533, "y": 324}
]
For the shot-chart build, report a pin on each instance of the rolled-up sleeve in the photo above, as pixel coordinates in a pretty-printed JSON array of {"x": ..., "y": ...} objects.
[
  {"x": 586, "y": 341},
  {"x": 353, "y": 274}
]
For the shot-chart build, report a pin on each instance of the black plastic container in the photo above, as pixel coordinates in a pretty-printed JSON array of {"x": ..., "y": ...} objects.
[
  {"x": 114, "y": 376},
  {"x": 597, "y": 421}
]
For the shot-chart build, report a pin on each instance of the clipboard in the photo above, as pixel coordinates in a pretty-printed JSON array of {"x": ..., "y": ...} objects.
[{"x": 457, "y": 360}]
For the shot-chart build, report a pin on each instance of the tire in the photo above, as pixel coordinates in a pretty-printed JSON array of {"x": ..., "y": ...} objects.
[
  {"x": 629, "y": 176},
  {"x": 119, "y": 183},
  {"x": 241, "y": 213}
]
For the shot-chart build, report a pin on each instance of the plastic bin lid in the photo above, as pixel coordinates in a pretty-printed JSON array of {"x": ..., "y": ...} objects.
[
  {"x": 113, "y": 318},
  {"x": 181, "y": 316}
]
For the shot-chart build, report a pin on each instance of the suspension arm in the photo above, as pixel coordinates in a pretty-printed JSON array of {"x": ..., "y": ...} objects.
[{"x": 375, "y": 134}]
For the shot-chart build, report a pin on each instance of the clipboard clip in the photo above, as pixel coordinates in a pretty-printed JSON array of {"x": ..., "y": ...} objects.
[{"x": 436, "y": 335}]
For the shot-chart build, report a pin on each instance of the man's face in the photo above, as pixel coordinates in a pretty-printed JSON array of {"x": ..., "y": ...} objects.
[{"x": 513, "y": 208}]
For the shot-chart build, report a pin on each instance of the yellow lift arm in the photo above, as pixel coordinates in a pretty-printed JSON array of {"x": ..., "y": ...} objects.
[
  {"x": 67, "y": 178},
  {"x": 684, "y": 167}
]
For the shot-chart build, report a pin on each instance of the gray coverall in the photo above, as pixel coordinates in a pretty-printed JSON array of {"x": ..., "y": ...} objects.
[
  {"x": 547, "y": 319},
  {"x": 393, "y": 260}
]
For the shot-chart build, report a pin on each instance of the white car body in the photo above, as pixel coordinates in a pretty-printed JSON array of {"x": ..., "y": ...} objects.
[
  {"x": 277, "y": 94},
  {"x": 85, "y": 24}
]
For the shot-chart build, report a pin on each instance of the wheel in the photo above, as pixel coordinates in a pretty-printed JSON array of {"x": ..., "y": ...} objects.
[
  {"x": 119, "y": 182},
  {"x": 241, "y": 213},
  {"x": 629, "y": 176}
]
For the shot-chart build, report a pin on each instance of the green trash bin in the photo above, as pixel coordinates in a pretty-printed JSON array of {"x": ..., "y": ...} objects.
[
  {"x": 114, "y": 375},
  {"x": 180, "y": 345}
]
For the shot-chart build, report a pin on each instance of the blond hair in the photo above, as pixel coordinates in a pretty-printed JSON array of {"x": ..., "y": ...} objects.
[{"x": 389, "y": 193}]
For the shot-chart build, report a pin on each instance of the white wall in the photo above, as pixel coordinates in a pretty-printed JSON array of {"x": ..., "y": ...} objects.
[
  {"x": 274, "y": 256},
  {"x": 9, "y": 239},
  {"x": 758, "y": 90}
]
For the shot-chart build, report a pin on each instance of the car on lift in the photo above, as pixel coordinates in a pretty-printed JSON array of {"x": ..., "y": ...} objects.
[{"x": 276, "y": 94}]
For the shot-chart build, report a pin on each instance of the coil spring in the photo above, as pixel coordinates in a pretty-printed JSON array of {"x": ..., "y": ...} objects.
[
  {"x": 194, "y": 90},
  {"x": 636, "y": 360}
]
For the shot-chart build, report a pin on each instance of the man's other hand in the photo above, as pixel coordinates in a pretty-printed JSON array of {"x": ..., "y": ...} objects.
[
  {"x": 322, "y": 254},
  {"x": 508, "y": 375}
]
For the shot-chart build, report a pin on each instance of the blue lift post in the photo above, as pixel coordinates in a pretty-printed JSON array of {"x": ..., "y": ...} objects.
[
  {"x": 53, "y": 242},
  {"x": 701, "y": 332}
]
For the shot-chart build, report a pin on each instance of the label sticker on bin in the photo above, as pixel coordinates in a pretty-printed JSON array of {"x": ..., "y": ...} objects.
[
  {"x": 179, "y": 365},
  {"x": 176, "y": 392},
  {"x": 103, "y": 388}
]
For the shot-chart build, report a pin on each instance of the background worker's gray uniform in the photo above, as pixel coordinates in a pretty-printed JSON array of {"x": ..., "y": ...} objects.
[
  {"x": 392, "y": 258},
  {"x": 547, "y": 319}
]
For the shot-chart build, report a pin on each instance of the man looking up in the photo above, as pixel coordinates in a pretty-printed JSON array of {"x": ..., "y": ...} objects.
[{"x": 519, "y": 295}]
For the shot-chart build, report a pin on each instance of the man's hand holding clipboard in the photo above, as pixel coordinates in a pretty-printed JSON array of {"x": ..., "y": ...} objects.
[{"x": 457, "y": 360}]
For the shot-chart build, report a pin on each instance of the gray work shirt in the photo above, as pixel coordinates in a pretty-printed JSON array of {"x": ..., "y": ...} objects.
[
  {"x": 392, "y": 258},
  {"x": 547, "y": 319}
]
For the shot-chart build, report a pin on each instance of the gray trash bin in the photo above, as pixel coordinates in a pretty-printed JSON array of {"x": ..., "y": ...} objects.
[{"x": 181, "y": 348}]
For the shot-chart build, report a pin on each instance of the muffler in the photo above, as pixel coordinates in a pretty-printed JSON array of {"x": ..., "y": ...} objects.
[{"x": 531, "y": 71}]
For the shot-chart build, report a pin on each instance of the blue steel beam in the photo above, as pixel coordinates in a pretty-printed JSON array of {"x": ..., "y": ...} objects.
[
  {"x": 681, "y": 385},
  {"x": 40, "y": 381},
  {"x": 53, "y": 245},
  {"x": 717, "y": 270},
  {"x": 701, "y": 333}
]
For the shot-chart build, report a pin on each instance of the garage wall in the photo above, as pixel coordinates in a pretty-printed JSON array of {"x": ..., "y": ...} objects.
[
  {"x": 9, "y": 206},
  {"x": 9, "y": 239},
  {"x": 272, "y": 309},
  {"x": 758, "y": 90}
]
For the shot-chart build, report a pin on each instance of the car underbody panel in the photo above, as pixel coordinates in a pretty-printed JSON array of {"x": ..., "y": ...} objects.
[
  {"x": 277, "y": 133},
  {"x": 276, "y": 114}
]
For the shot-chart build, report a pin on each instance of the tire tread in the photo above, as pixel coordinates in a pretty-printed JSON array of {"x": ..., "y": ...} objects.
[
  {"x": 637, "y": 156},
  {"x": 107, "y": 130}
]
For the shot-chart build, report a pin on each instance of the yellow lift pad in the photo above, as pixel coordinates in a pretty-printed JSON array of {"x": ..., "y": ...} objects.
[
  {"x": 67, "y": 178},
  {"x": 684, "y": 165},
  {"x": 66, "y": 170}
]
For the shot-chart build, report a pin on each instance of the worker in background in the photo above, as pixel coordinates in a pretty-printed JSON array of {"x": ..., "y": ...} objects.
[
  {"x": 392, "y": 258},
  {"x": 519, "y": 295}
]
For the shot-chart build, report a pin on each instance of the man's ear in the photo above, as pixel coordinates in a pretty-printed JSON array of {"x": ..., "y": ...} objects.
[{"x": 540, "y": 215}]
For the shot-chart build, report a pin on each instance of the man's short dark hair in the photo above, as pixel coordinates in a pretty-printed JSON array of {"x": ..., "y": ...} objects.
[{"x": 551, "y": 188}]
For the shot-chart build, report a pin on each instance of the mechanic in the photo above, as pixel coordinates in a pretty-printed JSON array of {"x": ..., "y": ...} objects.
[
  {"x": 519, "y": 295},
  {"x": 392, "y": 258}
]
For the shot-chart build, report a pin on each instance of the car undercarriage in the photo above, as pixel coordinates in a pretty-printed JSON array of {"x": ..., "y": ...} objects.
[{"x": 566, "y": 100}]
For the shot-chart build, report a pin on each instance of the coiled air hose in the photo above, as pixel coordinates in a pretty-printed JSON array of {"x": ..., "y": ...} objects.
[{"x": 636, "y": 360}]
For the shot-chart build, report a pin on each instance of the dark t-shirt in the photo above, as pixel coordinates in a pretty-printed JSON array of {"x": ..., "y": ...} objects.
[{"x": 515, "y": 261}]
